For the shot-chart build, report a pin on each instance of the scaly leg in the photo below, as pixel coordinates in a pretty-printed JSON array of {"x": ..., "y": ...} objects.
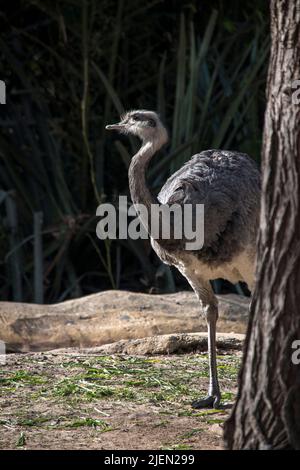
[
  {"x": 213, "y": 398},
  {"x": 209, "y": 307}
]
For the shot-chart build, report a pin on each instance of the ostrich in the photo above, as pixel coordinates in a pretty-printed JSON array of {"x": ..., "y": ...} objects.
[{"x": 228, "y": 185}]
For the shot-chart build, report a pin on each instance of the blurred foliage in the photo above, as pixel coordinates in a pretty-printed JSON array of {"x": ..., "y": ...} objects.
[{"x": 72, "y": 66}]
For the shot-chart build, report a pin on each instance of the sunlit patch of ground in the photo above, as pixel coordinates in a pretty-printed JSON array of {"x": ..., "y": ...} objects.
[{"x": 61, "y": 401}]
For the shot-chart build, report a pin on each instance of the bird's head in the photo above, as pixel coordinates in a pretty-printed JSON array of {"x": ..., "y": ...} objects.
[{"x": 144, "y": 124}]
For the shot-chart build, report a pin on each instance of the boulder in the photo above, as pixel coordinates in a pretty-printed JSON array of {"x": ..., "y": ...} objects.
[
  {"x": 110, "y": 316},
  {"x": 181, "y": 343}
]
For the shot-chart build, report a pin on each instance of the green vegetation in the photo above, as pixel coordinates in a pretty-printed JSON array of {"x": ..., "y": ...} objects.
[
  {"x": 58, "y": 422},
  {"x": 21, "y": 442},
  {"x": 126, "y": 378},
  {"x": 176, "y": 447},
  {"x": 36, "y": 421},
  {"x": 191, "y": 433},
  {"x": 90, "y": 422},
  {"x": 19, "y": 379},
  {"x": 144, "y": 380}
]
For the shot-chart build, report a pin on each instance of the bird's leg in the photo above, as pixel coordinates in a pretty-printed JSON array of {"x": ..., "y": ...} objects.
[
  {"x": 213, "y": 398},
  {"x": 209, "y": 306}
]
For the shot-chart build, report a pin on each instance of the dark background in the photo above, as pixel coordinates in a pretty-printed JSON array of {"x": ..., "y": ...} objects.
[{"x": 72, "y": 66}]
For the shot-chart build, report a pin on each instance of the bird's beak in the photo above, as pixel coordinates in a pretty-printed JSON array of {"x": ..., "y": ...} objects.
[{"x": 118, "y": 126}]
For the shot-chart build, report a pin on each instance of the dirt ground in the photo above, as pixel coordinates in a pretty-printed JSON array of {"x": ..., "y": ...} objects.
[{"x": 83, "y": 401}]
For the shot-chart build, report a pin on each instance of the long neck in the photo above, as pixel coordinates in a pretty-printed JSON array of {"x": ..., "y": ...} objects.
[{"x": 140, "y": 193}]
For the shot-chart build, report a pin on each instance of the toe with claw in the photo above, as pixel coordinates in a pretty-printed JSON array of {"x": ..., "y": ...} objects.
[{"x": 211, "y": 401}]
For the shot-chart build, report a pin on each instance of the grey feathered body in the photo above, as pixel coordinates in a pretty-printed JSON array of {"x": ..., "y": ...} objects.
[{"x": 228, "y": 184}]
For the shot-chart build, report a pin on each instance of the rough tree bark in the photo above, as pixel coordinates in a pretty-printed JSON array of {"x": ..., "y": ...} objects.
[{"x": 267, "y": 411}]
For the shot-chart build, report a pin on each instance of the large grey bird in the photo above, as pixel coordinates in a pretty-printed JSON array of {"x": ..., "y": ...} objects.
[{"x": 228, "y": 185}]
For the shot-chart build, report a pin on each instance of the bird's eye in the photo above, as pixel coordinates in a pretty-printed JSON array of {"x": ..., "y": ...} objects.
[
  {"x": 151, "y": 122},
  {"x": 135, "y": 117}
]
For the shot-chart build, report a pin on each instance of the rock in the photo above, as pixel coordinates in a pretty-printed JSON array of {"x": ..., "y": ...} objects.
[
  {"x": 111, "y": 316},
  {"x": 164, "y": 344}
]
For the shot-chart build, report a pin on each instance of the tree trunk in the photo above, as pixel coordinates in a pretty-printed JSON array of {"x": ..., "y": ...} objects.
[{"x": 267, "y": 411}]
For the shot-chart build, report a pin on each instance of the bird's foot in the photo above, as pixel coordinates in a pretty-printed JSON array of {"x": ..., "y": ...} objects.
[{"x": 211, "y": 401}]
